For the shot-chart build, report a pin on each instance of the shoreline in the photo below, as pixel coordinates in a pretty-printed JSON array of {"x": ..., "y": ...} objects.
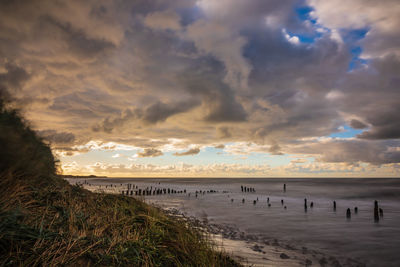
[{"x": 250, "y": 250}]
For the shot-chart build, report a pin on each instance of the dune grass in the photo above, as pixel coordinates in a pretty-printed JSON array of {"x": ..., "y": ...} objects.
[{"x": 44, "y": 221}]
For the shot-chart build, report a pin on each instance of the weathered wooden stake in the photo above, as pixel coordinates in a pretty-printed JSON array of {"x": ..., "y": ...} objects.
[
  {"x": 376, "y": 211},
  {"x": 348, "y": 213}
]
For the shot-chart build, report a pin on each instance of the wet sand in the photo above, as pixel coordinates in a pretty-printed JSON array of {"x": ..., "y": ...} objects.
[{"x": 250, "y": 250}]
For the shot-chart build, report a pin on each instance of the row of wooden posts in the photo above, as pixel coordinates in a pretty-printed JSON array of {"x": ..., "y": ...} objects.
[
  {"x": 150, "y": 191},
  {"x": 378, "y": 212},
  {"x": 247, "y": 189},
  {"x": 134, "y": 190}
]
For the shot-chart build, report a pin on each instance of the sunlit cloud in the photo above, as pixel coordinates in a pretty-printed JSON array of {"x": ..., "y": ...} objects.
[{"x": 130, "y": 88}]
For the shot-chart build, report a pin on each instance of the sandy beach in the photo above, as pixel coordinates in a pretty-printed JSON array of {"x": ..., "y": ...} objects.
[{"x": 250, "y": 250}]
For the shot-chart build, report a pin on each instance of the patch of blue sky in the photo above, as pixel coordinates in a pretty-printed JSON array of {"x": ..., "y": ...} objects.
[
  {"x": 104, "y": 156},
  {"x": 352, "y": 38},
  {"x": 347, "y": 132},
  {"x": 303, "y": 13},
  {"x": 211, "y": 155},
  {"x": 356, "y": 61},
  {"x": 207, "y": 156},
  {"x": 309, "y": 37},
  {"x": 277, "y": 160},
  {"x": 202, "y": 158}
]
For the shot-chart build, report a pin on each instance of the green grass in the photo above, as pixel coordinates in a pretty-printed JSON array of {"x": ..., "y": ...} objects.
[{"x": 44, "y": 221}]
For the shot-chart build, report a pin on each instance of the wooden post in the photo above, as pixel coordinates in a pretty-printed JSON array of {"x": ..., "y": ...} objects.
[
  {"x": 376, "y": 211},
  {"x": 305, "y": 204},
  {"x": 348, "y": 213}
]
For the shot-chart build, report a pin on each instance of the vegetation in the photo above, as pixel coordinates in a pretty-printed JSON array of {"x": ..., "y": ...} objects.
[{"x": 46, "y": 221}]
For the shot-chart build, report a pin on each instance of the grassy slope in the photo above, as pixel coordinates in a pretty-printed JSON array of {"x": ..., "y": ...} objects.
[{"x": 46, "y": 221}]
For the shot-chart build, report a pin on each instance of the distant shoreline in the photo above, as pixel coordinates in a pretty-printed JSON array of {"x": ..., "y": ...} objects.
[
  {"x": 82, "y": 176},
  {"x": 181, "y": 177}
]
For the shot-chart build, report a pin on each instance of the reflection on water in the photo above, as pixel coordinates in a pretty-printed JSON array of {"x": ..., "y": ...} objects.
[{"x": 319, "y": 227}]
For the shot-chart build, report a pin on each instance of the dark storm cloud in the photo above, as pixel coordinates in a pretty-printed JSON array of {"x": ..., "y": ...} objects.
[
  {"x": 223, "y": 132},
  {"x": 15, "y": 76},
  {"x": 299, "y": 121},
  {"x": 150, "y": 152},
  {"x": 384, "y": 126},
  {"x": 69, "y": 151},
  {"x": 157, "y": 112},
  {"x": 391, "y": 131},
  {"x": 79, "y": 42},
  {"x": 57, "y": 137},
  {"x": 12, "y": 80},
  {"x": 275, "y": 149},
  {"x": 277, "y": 73},
  {"x": 75, "y": 105},
  {"x": 204, "y": 79},
  {"x": 353, "y": 151},
  {"x": 356, "y": 124},
  {"x": 108, "y": 124},
  {"x": 192, "y": 151},
  {"x": 223, "y": 108},
  {"x": 372, "y": 94}
]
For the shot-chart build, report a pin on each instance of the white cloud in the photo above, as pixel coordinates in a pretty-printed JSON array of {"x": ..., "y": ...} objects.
[
  {"x": 379, "y": 17},
  {"x": 291, "y": 39},
  {"x": 334, "y": 95},
  {"x": 100, "y": 145}
]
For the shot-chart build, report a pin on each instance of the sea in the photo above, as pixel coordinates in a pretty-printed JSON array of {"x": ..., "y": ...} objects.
[{"x": 263, "y": 214}]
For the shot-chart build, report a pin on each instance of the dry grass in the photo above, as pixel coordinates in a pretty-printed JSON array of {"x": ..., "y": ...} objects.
[{"x": 60, "y": 224}]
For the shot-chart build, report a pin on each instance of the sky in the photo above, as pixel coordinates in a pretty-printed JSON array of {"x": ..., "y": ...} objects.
[{"x": 227, "y": 88}]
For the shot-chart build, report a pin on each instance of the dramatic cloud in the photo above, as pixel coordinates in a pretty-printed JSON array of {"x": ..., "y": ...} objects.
[
  {"x": 356, "y": 124},
  {"x": 269, "y": 79},
  {"x": 150, "y": 152},
  {"x": 353, "y": 151},
  {"x": 166, "y": 20},
  {"x": 380, "y": 19},
  {"x": 12, "y": 80},
  {"x": 57, "y": 137},
  {"x": 192, "y": 151},
  {"x": 152, "y": 114}
]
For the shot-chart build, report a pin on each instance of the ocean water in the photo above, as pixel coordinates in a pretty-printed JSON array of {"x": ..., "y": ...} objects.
[{"x": 319, "y": 228}]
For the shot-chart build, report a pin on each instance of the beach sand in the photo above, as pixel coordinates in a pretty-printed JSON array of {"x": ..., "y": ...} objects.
[{"x": 250, "y": 250}]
